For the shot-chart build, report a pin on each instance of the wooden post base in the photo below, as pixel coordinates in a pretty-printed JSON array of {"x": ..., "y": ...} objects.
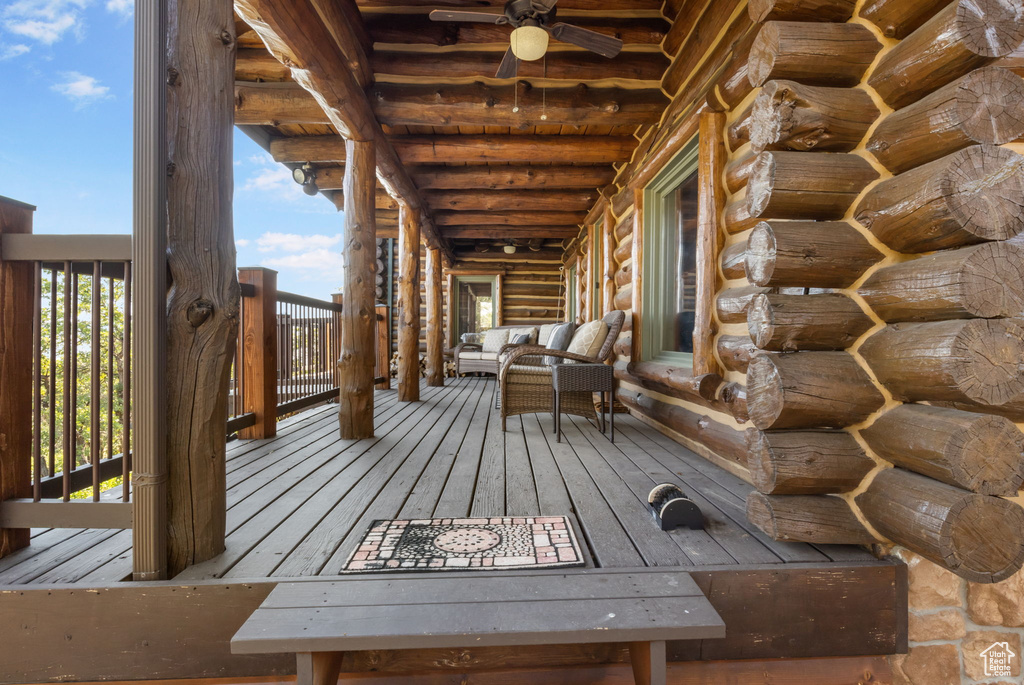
[
  {"x": 317, "y": 668},
  {"x": 649, "y": 662}
]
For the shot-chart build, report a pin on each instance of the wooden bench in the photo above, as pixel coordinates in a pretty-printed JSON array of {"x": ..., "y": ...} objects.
[{"x": 319, "y": 620}]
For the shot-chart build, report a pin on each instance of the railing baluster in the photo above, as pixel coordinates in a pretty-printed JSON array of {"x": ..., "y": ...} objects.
[
  {"x": 94, "y": 380},
  {"x": 37, "y": 363},
  {"x": 52, "y": 392},
  {"x": 111, "y": 319},
  {"x": 126, "y": 386},
  {"x": 67, "y": 374}
]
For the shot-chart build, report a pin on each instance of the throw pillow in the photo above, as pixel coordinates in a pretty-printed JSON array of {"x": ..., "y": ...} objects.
[
  {"x": 495, "y": 339},
  {"x": 545, "y": 333},
  {"x": 560, "y": 338},
  {"x": 521, "y": 339},
  {"x": 588, "y": 338}
]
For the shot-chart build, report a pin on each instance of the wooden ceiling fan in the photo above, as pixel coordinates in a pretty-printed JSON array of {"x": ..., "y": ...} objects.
[{"x": 532, "y": 21}]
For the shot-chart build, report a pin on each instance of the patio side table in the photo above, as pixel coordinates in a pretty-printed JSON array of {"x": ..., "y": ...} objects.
[{"x": 583, "y": 378}]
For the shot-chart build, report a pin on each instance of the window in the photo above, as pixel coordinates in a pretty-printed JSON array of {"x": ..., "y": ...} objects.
[
  {"x": 474, "y": 297},
  {"x": 669, "y": 260},
  {"x": 570, "y": 294}
]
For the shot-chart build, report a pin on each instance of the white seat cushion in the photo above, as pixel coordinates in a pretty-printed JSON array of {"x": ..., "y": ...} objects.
[
  {"x": 470, "y": 355},
  {"x": 492, "y": 356}
]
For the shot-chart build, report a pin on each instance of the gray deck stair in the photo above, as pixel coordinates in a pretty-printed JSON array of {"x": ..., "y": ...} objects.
[{"x": 319, "y": 620}]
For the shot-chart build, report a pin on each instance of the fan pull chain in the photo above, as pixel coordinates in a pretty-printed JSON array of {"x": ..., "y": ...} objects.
[
  {"x": 544, "y": 92},
  {"x": 515, "y": 97}
]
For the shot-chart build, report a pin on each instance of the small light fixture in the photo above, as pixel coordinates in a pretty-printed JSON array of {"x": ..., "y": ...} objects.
[
  {"x": 509, "y": 249},
  {"x": 529, "y": 42},
  {"x": 305, "y": 176}
]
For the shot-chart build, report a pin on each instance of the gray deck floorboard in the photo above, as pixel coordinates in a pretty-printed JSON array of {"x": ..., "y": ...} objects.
[{"x": 299, "y": 503}]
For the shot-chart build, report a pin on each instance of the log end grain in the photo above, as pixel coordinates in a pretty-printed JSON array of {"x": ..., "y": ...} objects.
[{"x": 991, "y": 28}]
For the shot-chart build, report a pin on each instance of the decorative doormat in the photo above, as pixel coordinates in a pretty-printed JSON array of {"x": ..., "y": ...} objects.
[{"x": 472, "y": 544}]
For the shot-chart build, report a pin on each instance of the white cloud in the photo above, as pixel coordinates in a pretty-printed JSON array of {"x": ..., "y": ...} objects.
[
  {"x": 293, "y": 242},
  {"x": 276, "y": 180},
  {"x": 314, "y": 265},
  {"x": 122, "y": 7},
  {"x": 11, "y": 51},
  {"x": 242, "y": 242},
  {"x": 45, "y": 21},
  {"x": 81, "y": 89}
]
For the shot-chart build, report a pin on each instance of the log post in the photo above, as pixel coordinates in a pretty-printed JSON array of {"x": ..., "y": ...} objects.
[
  {"x": 986, "y": 106},
  {"x": 408, "y": 305},
  {"x": 711, "y": 202},
  {"x": 786, "y": 323},
  {"x": 967, "y": 197},
  {"x": 610, "y": 260},
  {"x": 972, "y": 360},
  {"x": 791, "y": 116},
  {"x": 16, "y": 293},
  {"x": 203, "y": 303},
  {"x": 498, "y": 306},
  {"x": 984, "y": 281},
  {"x": 977, "y": 452},
  {"x": 978, "y": 537},
  {"x": 807, "y": 518},
  {"x": 808, "y": 390},
  {"x": 812, "y": 53},
  {"x": 801, "y": 185},
  {"x": 259, "y": 342},
  {"x": 810, "y": 254},
  {"x": 963, "y": 36},
  {"x": 355, "y": 365},
  {"x": 435, "y": 322},
  {"x": 806, "y": 462}
]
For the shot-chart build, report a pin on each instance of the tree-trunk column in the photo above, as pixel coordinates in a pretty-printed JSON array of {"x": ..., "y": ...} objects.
[
  {"x": 203, "y": 303},
  {"x": 435, "y": 323},
  {"x": 408, "y": 305},
  {"x": 358, "y": 317}
]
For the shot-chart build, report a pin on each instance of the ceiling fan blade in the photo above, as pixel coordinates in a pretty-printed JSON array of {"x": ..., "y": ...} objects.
[
  {"x": 543, "y": 6},
  {"x": 479, "y": 17},
  {"x": 606, "y": 46},
  {"x": 509, "y": 66}
]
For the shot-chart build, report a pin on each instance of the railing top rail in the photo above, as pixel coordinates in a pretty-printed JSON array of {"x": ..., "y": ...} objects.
[
  {"x": 293, "y": 298},
  {"x": 66, "y": 248}
]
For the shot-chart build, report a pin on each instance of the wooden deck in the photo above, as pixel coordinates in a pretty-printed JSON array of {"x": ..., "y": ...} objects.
[{"x": 298, "y": 503}]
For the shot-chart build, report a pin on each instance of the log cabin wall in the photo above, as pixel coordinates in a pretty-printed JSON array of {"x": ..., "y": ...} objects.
[{"x": 867, "y": 269}]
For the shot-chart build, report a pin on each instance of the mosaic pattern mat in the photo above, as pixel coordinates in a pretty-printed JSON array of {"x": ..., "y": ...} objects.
[{"x": 468, "y": 544}]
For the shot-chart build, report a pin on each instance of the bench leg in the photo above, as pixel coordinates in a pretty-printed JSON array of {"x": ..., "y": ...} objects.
[
  {"x": 648, "y": 658},
  {"x": 317, "y": 668}
]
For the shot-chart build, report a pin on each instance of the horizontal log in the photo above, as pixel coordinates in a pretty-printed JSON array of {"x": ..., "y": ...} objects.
[
  {"x": 274, "y": 104},
  {"x": 510, "y": 177},
  {"x": 624, "y": 249},
  {"x": 468, "y": 148},
  {"x": 480, "y": 104},
  {"x": 899, "y": 18},
  {"x": 731, "y": 304},
  {"x": 624, "y": 226},
  {"x": 819, "y": 519},
  {"x": 713, "y": 28},
  {"x": 967, "y": 197},
  {"x": 510, "y": 200},
  {"x": 256, "y": 64},
  {"x": 792, "y": 116},
  {"x": 802, "y": 185},
  {"x": 505, "y": 232},
  {"x": 801, "y": 10},
  {"x": 734, "y": 83},
  {"x": 737, "y": 215},
  {"x": 735, "y": 351},
  {"x": 623, "y": 299},
  {"x": 568, "y": 7},
  {"x": 734, "y": 397},
  {"x": 737, "y": 171},
  {"x": 785, "y": 323},
  {"x": 809, "y": 390},
  {"x": 813, "y": 254},
  {"x": 525, "y": 218},
  {"x": 963, "y": 36},
  {"x": 418, "y": 29},
  {"x": 816, "y": 54},
  {"x": 984, "y": 281},
  {"x": 733, "y": 260},
  {"x": 624, "y": 275},
  {"x": 986, "y": 106},
  {"x": 574, "y": 65},
  {"x": 680, "y": 379},
  {"x": 806, "y": 462},
  {"x": 739, "y": 131},
  {"x": 978, "y": 537},
  {"x": 623, "y": 346},
  {"x": 973, "y": 360},
  {"x": 723, "y": 440},
  {"x": 983, "y": 454}
]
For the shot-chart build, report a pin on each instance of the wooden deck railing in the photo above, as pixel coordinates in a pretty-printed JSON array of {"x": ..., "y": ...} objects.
[{"x": 66, "y": 372}]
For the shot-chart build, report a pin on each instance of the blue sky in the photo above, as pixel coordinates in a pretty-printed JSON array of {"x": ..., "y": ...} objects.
[{"x": 65, "y": 143}]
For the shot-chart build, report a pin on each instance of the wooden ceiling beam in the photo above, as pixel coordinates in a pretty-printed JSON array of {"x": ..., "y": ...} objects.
[
  {"x": 344, "y": 22},
  {"x": 510, "y": 200},
  {"x": 418, "y": 29},
  {"x": 563, "y": 6},
  {"x": 479, "y": 104},
  {"x": 294, "y": 33},
  {"x": 491, "y": 177},
  {"x": 575, "y": 65},
  {"x": 256, "y": 64},
  {"x": 510, "y": 232},
  {"x": 517, "y": 218},
  {"x": 468, "y": 148},
  {"x": 474, "y": 104}
]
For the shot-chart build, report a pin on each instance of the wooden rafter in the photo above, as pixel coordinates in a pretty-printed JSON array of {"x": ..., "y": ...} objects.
[{"x": 491, "y": 177}]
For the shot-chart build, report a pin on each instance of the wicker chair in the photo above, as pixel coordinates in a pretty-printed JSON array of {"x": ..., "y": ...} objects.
[{"x": 526, "y": 381}]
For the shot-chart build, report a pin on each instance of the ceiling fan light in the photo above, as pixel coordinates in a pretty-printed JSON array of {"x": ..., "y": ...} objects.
[
  {"x": 509, "y": 249},
  {"x": 529, "y": 43}
]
